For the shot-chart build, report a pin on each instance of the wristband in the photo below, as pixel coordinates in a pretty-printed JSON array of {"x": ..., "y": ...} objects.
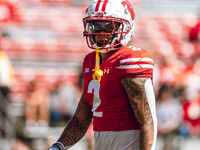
[{"x": 59, "y": 145}]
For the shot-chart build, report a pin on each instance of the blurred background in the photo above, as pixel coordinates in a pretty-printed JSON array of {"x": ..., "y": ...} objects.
[{"x": 41, "y": 53}]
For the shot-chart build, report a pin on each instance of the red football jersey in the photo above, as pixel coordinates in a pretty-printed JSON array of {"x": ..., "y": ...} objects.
[{"x": 109, "y": 100}]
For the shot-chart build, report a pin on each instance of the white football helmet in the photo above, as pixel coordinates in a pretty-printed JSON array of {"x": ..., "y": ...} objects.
[{"x": 109, "y": 18}]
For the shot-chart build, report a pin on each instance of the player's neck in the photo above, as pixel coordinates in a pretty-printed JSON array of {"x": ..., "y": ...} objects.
[{"x": 104, "y": 56}]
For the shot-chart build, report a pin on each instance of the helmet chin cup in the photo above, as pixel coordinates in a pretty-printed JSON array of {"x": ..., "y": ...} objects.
[
  {"x": 114, "y": 11},
  {"x": 105, "y": 50}
]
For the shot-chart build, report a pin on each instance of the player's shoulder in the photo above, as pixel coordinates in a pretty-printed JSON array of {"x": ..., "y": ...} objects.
[
  {"x": 135, "y": 55},
  {"x": 134, "y": 52}
]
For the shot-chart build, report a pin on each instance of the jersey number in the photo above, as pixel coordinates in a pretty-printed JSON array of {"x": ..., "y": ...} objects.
[{"x": 94, "y": 85}]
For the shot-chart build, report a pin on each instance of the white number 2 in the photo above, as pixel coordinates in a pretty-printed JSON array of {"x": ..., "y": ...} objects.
[{"x": 94, "y": 85}]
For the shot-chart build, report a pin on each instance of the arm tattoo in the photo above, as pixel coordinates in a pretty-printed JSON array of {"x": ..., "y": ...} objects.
[
  {"x": 78, "y": 125},
  {"x": 137, "y": 96}
]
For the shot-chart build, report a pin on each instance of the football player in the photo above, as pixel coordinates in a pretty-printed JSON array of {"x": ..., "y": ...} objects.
[{"x": 118, "y": 93}]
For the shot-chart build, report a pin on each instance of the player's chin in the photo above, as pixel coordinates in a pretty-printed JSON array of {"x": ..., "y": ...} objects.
[{"x": 102, "y": 43}]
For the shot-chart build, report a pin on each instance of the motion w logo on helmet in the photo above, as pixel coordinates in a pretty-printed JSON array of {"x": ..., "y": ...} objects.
[{"x": 130, "y": 9}]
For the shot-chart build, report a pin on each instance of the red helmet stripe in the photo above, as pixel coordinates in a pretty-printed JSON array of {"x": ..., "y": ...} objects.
[
  {"x": 97, "y": 6},
  {"x": 104, "y": 5}
]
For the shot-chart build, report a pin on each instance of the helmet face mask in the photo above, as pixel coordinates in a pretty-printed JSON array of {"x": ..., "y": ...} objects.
[
  {"x": 102, "y": 33},
  {"x": 110, "y": 28}
]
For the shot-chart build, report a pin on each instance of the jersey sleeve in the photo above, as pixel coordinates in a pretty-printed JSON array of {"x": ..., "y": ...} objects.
[
  {"x": 136, "y": 64},
  {"x": 88, "y": 62}
]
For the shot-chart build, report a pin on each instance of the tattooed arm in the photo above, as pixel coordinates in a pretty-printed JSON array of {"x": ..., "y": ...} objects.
[
  {"x": 77, "y": 126},
  {"x": 142, "y": 100}
]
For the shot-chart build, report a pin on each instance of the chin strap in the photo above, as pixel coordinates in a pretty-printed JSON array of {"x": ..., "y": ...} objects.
[{"x": 98, "y": 73}]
